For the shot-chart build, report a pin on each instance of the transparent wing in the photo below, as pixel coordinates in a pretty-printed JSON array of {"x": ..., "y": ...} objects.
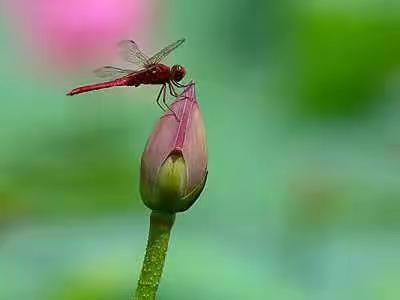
[
  {"x": 112, "y": 72},
  {"x": 131, "y": 52},
  {"x": 159, "y": 56}
]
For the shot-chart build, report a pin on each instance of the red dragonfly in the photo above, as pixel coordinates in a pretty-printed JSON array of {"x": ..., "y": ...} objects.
[{"x": 151, "y": 71}]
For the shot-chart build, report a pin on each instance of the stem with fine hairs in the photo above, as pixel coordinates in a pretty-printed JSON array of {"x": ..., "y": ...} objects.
[{"x": 156, "y": 250}]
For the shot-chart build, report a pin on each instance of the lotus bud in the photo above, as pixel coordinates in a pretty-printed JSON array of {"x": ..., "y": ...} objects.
[{"x": 174, "y": 162}]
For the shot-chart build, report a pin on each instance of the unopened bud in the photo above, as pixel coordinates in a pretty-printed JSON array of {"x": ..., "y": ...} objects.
[{"x": 174, "y": 163}]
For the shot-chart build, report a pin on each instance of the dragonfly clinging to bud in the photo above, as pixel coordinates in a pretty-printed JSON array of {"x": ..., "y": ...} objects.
[{"x": 150, "y": 71}]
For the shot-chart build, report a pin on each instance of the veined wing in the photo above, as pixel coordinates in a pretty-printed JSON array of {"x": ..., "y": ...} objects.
[
  {"x": 159, "y": 56},
  {"x": 131, "y": 52},
  {"x": 112, "y": 72}
]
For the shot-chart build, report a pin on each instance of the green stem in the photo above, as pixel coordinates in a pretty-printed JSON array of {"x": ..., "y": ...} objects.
[{"x": 156, "y": 250}]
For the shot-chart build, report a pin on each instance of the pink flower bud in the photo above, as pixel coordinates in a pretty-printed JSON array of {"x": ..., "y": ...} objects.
[{"x": 174, "y": 163}]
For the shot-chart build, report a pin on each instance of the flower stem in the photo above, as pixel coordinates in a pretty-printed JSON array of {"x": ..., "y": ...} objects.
[{"x": 156, "y": 250}]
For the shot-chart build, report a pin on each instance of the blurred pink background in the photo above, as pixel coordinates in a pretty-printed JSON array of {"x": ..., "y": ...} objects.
[{"x": 76, "y": 32}]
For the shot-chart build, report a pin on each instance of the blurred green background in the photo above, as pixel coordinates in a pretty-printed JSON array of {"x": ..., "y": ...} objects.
[{"x": 301, "y": 105}]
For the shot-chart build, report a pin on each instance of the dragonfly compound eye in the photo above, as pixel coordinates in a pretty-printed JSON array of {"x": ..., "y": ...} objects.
[{"x": 178, "y": 72}]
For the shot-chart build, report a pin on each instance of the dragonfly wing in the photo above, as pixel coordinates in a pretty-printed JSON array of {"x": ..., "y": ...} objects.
[
  {"x": 110, "y": 72},
  {"x": 159, "y": 56},
  {"x": 131, "y": 52}
]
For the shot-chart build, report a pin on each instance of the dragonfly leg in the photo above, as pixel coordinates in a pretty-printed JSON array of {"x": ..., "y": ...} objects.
[
  {"x": 177, "y": 84},
  {"x": 163, "y": 87},
  {"x": 176, "y": 94},
  {"x": 182, "y": 85},
  {"x": 172, "y": 90},
  {"x": 165, "y": 102}
]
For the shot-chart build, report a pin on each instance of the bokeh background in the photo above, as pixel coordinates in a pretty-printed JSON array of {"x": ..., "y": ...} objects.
[{"x": 301, "y": 105}]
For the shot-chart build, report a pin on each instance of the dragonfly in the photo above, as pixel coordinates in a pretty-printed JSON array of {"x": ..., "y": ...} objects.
[{"x": 150, "y": 71}]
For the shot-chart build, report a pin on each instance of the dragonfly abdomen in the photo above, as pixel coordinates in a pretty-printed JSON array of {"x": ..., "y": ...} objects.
[{"x": 98, "y": 86}]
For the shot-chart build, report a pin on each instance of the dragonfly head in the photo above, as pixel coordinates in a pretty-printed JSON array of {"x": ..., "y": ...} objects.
[{"x": 178, "y": 72}]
